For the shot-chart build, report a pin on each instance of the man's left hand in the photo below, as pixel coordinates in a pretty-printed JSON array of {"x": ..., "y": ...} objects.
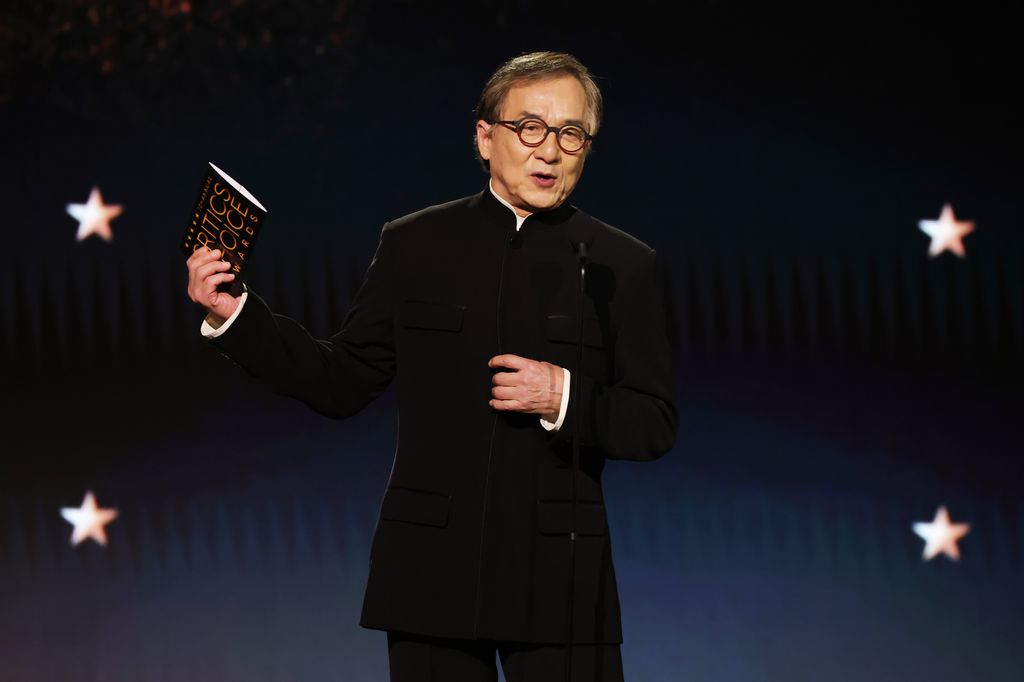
[{"x": 528, "y": 386}]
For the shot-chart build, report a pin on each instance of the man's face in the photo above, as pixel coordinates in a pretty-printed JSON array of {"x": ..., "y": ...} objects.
[{"x": 535, "y": 178}]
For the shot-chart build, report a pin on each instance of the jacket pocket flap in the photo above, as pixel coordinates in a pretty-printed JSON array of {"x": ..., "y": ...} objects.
[
  {"x": 415, "y": 506},
  {"x": 554, "y": 517},
  {"x": 565, "y": 329},
  {"x": 431, "y": 315}
]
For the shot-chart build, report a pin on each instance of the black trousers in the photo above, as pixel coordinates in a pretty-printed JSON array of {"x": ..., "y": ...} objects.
[{"x": 416, "y": 658}]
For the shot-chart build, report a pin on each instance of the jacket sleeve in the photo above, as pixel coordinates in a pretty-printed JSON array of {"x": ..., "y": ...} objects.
[
  {"x": 338, "y": 376},
  {"x": 636, "y": 416}
]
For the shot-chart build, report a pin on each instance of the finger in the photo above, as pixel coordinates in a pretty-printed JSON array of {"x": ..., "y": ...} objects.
[
  {"x": 506, "y": 379},
  {"x": 213, "y": 281},
  {"x": 506, "y": 405},
  {"x": 508, "y": 361},
  {"x": 199, "y": 268},
  {"x": 203, "y": 255},
  {"x": 204, "y": 271},
  {"x": 504, "y": 393},
  {"x": 195, "y": 255},
  {"x": 198, "y": 281}
]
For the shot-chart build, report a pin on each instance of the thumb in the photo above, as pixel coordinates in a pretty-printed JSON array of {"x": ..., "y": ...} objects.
[{"x": 224, "y": 304}]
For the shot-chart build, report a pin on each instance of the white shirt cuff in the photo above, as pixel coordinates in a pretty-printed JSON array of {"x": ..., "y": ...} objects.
[
  {"x": 211, "y": 332},
  {"x": 549, "y": 426}
]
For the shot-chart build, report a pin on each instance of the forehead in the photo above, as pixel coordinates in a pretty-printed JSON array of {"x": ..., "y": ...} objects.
[{"x": 556, "y": 100}]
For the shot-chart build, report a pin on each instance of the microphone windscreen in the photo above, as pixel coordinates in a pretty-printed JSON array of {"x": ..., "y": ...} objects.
[{"x": 579, "y": 230}]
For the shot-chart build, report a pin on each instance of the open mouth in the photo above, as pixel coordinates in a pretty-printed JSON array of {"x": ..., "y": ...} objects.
[{"x": 543, "y": 179}]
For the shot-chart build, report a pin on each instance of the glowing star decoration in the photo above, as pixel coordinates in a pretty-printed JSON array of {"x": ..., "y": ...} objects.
[
  {"x": 88, "y": 520},
  {"x": 947, "y": 233},
  {"x": 94, "y": 216},
  {"x": 940, "y": 536}
]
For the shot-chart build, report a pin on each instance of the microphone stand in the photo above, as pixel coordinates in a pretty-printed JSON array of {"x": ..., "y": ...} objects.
[{"x": 576, "y": 380}]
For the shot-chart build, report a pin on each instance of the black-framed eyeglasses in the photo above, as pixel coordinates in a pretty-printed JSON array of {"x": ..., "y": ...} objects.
[{"x": 533, "y": 131}]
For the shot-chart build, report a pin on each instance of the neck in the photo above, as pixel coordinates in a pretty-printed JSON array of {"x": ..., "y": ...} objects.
[{"x": 515, "y": 209}]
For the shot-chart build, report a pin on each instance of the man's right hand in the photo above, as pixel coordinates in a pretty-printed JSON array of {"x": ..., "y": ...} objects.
[{"x": 205, "y": 272}]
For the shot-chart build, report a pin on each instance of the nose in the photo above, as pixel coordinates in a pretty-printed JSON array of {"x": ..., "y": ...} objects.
[{"x": 548, "y": 150}]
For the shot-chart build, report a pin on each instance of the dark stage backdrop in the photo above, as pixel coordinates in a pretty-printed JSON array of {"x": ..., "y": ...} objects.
[{"x": 837, "y": 384}]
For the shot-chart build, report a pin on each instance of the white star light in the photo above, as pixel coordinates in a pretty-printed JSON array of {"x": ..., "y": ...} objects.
[
  {"x": 947, "y": 233},
  {"x": 88, "y": 521},
  {"x": 94, "y": 216},
  {"x": 940, "y": 535}
]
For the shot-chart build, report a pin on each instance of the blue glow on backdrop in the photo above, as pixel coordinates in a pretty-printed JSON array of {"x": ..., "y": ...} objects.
[{"x": 838, "y": 200}]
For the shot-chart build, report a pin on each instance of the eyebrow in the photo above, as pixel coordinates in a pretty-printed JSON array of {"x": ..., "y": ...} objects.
[{"x": 571, "y": 121}]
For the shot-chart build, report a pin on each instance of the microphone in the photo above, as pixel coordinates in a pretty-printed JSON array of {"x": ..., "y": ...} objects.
[
  {"x": 579, "y": 241},
  {"x": 581, "y": 252},
  {"x": 580, "y": 235}
]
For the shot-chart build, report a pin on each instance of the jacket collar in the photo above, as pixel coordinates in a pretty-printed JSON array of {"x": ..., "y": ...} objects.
[{"x": 503, "y": 217}]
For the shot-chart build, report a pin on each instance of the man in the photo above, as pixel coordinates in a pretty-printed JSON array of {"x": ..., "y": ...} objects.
[{"x": 474, "y": 306}]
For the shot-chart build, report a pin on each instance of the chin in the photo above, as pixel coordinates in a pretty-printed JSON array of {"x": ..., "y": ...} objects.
[{"x": 545, "y": 202}]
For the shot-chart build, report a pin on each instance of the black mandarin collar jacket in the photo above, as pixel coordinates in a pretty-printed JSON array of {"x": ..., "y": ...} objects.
[{"x": 472, "y": 537}]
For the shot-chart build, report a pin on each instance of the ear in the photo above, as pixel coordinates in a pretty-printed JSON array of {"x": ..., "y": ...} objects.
[{"x": 483, "y": 139}]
